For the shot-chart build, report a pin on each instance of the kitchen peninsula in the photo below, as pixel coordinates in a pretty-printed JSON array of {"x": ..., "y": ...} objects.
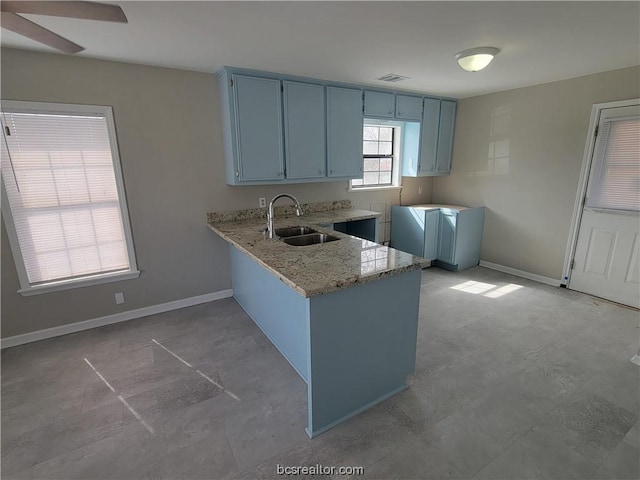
[{"x": 343, "y": 313}]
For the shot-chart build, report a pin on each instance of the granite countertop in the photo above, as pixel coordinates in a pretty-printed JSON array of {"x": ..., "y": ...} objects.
[
  {"x": 316, "y": 269},
  {"x": 434, "y": 206}
]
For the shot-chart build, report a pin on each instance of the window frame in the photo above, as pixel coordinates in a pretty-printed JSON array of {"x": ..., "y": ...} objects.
[
  {"x": 396, "y": 159},
  {"x": 28, "y": 289}
]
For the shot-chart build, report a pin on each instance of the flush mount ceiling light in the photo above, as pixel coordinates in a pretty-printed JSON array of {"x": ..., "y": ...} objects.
[{"x": 476, "y": 59}]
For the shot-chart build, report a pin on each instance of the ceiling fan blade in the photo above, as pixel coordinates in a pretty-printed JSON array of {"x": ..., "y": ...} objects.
[
  {"x": 86, "y": 10},
  {"x": 25, "y": 27}
]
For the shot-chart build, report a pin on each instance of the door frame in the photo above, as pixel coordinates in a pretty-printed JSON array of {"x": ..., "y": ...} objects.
[{"x": 583, "y": 181}]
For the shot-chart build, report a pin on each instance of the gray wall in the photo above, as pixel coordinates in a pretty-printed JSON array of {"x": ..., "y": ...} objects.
[
  {"x": 168, "y": 127},
  {"x": 519, "y": 153}
]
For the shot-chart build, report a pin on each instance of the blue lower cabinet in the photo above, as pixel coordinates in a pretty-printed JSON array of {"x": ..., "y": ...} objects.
[
  {"x": 353, "y": 347},
  {"x": 450, "y": 237},
  {"x": 408, "y": 230},
  {"x": 366, "y": 229},
  {"x": 447, "y": 237}
]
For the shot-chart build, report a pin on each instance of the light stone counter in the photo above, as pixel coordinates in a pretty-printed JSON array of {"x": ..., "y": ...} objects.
[
  {"x": 435, "y": 206},
  {"x": 315, "y": 269}
]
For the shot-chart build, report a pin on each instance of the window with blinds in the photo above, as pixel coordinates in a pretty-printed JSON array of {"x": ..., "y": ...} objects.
[
  {"x": 614, "y": 183},
  {"x": 66, "y": 212}
]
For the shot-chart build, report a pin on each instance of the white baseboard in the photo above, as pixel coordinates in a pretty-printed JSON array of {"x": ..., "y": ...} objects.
[
  {"x": 521, "y": 273},
  {"x": 109, "y": 319}
]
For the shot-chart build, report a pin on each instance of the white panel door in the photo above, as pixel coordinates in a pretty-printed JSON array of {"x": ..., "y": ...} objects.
[{"x": 606, "y": 261}]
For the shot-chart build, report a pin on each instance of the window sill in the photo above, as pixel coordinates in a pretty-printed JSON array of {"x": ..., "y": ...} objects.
[
  {"x": 369, "y": 189},
  {"x": 78, "y": 283}
]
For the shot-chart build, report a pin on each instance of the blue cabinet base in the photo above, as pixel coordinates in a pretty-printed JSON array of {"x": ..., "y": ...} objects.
[
  {"x": 445, "y": 265},
  {"x": 354, "y": 347},
  {"x": 449, "y": 236}
]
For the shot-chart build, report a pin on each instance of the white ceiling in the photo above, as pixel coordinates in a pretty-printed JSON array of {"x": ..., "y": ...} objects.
[{"x": 359, "y": 41}]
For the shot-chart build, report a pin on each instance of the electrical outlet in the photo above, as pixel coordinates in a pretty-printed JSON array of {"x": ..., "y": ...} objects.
[
  {"x": 262, "y": 202},
  {"x": 420, "y": 190},
  {"x": 119, "y": 298}
]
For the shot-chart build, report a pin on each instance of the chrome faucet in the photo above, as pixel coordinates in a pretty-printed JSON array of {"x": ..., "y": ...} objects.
[{"x": 270, "y": 229}]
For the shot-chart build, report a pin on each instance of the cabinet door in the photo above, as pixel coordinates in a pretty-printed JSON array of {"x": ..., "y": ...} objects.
[
  {"x": 379, "y": 104},
  {"x": 304, "y": 130},
  {"x": 410, "y": 149},
  {"x": 408, "y": 230},
  {"x": 447, "y": 238},
  {"x": 408, "y": 108},
  {"x": 445, "y": 136},
  {"x": 344, "y": 132},
  {"x": 431, "y": 233},
  {"x": 258, "y": 108},
  {"x": 429, "y": 137}
]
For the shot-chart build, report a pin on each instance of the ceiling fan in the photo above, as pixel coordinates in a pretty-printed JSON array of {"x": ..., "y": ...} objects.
[{"x": 74, "y": 9}]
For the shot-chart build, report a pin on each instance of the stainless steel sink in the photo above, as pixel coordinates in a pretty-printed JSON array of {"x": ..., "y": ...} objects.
[
  {"x": 311, "y": 239},
  {"x": 293, "y": 231}
]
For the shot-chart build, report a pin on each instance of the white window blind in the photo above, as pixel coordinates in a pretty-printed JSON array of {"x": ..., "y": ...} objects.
[
  {"x": 60, "y": 182},
  {"x": 615, "y": 177}
]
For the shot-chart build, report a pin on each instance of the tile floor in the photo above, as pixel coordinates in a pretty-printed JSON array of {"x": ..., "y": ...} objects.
[{"x": 514, "y": 380}]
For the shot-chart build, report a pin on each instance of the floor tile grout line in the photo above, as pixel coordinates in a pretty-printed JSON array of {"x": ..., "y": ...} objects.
[
  {"x": 100, "y": 375},
  {"x": 126, "y": 404},
  {"x": 231, "y": 394},
  {"x": 169, "y": 351},
  {"x": 137, "y": 415}
]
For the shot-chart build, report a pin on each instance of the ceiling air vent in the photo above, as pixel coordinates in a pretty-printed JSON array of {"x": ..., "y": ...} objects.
[{"x": 392, "y": 77}]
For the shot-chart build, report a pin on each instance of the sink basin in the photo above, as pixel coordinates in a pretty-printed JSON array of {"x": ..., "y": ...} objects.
[
  {"x": 311, "y": 239},
  {"x": 293, "y": 231}
]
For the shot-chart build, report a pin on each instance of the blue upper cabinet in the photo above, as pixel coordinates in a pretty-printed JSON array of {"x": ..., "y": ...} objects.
[
  {"x": 429, "y": 137},
  {"x": 445, "y": 137},
  {"x": 390, "y": 105},
  {"x": 344, "y": 132},
  {"x": 304, "y": 130},
  {"x": 379, "y": 104},
  {"x": 436, "y": 139},
  {"x": 260, "y": 153},
  {"x": 281, "y": 129},
  {"x": 408, "y": 108}
]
